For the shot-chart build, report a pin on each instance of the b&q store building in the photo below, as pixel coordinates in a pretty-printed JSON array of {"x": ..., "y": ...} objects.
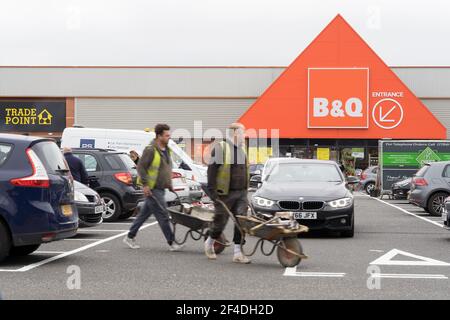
[{"x": 337, "y": 94}]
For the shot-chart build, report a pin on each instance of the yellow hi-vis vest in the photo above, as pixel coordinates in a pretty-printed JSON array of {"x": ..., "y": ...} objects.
[
  {"x": 153, "y": 170},
  {"x": 224, "y": 171}
]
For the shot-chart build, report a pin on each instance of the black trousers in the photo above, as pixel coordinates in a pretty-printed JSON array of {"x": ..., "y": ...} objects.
[{"x": 237, "y": 202}]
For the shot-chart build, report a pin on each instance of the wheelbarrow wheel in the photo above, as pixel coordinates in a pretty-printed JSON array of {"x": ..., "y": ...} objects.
[
  {"x": 218, "y": 246},
  {"x": 286, "y": 258}
]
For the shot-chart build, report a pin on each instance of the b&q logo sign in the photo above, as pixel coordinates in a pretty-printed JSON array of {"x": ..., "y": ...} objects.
[
  {"x": 338, "y": 98},
  {"x": 338, "y": 88}
]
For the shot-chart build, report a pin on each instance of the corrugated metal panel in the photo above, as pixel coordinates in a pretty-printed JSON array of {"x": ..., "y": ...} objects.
[
  {"x": 177, "y": 82},
  {"x": 145, "y": 113},
  {"x": 136, "y": 82},
  {"x": 441, "y": 110},
  {"x": 426, "y": 82}
]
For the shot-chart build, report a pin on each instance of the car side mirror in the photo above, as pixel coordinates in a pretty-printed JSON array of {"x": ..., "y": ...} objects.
[{"x": 255, "y": 181}]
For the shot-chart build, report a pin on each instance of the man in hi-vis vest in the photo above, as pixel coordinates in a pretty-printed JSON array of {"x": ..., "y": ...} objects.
[
  {"x": 155, "y": 175},
  {"x": 228, "y": 181}
]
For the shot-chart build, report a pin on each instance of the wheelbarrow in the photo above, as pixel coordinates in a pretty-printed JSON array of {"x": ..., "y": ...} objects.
[{"x": 280, "y": 230}]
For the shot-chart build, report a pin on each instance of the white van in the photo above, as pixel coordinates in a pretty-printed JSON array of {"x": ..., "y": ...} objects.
[{"x": 127, "y": 140}]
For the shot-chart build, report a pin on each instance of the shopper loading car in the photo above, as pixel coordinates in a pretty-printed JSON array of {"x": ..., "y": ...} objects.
[
  {"x": 76, "y": 166},
  {"x": 228, "y": 182},
  {"x": 155, "y": 174}
]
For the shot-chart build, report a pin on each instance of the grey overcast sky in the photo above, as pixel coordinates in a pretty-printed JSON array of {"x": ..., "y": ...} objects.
[{"x": 213, "y": 32}]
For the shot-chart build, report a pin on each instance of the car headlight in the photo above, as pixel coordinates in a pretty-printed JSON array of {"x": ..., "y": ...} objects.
[
  {"x": 340, "y": 203},
  {"x": 80, "y": 197},
  {"x": 263, "y": 202}
]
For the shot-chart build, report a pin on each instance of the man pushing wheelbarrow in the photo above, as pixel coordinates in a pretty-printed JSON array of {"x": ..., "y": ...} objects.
[{"x": 228, "y": 178}]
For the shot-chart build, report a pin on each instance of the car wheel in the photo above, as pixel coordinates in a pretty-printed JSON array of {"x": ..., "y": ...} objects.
[
  {"x": 113, "y": 207},
  {"x": 436, "y": 203},
  {"x": 23, "y": 250},
  {"x": 370, "y": 186},
  {"x": 5, "y": 242}
]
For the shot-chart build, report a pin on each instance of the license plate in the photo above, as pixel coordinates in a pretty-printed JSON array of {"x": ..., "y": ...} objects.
[
  {"x": 305, "y": 215},
  {"x": 99, "y": 209},
  {"x": 67, "y": 210}
]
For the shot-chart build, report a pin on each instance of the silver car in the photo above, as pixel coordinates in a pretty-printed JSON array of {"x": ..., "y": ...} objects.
[
  {"x": 431, "y": 186},
  {"x": 368, "y": 178}
]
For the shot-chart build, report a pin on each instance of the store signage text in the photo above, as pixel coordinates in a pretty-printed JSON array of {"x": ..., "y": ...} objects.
[
  {"x": 352, "y": 108},
  {"x": 25, "y": 116},
  {"x": 32, "y": 115},
  {"x": 338, "y": 97}
]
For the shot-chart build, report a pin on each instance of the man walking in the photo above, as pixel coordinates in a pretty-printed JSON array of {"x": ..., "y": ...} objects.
[
  {"x": 155, "y": 174},
  {"x": 76, "y": 166},
  {"x": 228, "y": 182}
]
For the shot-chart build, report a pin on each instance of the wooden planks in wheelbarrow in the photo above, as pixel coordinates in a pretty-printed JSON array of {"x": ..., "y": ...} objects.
[
  {"x": 197, "y": 219},
  {"x": 268, "y": 232}
]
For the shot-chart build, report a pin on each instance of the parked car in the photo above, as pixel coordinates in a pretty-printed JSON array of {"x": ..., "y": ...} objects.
[
  {"x": 368, "y": 179},
  {"x": 431, "y": 186},
  {"x": 268, "y": 165},
  {"x": 446, "y": 213},
  {"x": 180, "y": 186},
  {"x": 401, "y": 189},
  {"x": 195, "y": 190},
  {"x": 127, "y": 140},
  {"x": 114, "y": 176},
  {"x": 315, "y": 190},
  {"x": 89, "y": 204},
  {"x": 36, "y": 195}
]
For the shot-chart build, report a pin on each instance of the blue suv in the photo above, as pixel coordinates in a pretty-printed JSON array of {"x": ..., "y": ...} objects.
[{"x": 36, "y": 195}]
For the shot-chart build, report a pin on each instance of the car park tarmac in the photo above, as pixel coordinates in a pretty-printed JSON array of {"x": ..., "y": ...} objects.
[{"x": 398, "y": 252}]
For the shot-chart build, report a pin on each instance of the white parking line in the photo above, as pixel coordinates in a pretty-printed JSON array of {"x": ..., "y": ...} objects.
[
  {"x": 292, "y": 272},
  {"x": 408, "y": 276},
  {"x": 48, "y": 252},
  {"x": 71, "y": 239},
  {"x": 100, "y": 230},
  {"x": 69, "y": 253},
  {"x": 410, "y": 213}
]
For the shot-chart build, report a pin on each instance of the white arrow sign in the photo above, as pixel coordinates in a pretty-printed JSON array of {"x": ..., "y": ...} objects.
[
  {"x": 383, "y": 117},
  {"x": 386, "y": 259}
]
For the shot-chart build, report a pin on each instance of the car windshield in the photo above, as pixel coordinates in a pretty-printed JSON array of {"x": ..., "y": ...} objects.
[{"x": 304, "y": 172}]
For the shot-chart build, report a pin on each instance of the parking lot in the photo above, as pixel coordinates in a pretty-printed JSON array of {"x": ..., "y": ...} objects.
[{"x": 398, "y": 252}]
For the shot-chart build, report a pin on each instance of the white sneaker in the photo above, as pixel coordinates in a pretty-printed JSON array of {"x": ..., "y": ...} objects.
[
  {"x": 209, "y": 251},
  {"x": 175, "y": 247},
  {"x": 240, "y": 258},
  {"x": 131, "y": 243}
]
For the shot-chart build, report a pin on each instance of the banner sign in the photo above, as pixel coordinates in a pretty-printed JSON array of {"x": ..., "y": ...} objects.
[
  {"x": 32, "y": 116},
  {"x": 400, "y": 160}
]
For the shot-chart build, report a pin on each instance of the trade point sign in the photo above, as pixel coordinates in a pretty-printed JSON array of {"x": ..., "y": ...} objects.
[{"x": 339, "y": 88}]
